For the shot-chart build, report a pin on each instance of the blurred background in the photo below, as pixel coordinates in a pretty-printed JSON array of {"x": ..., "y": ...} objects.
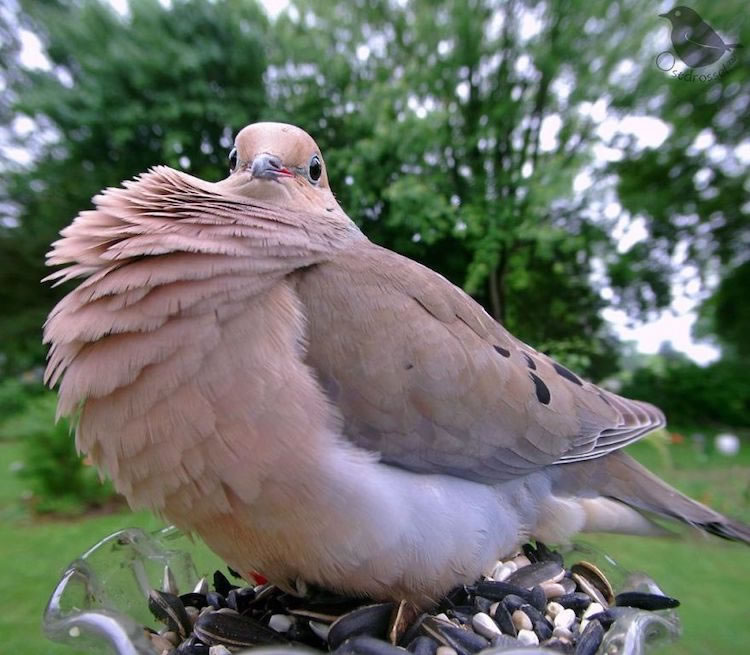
[{"x": 557, "y": 160}]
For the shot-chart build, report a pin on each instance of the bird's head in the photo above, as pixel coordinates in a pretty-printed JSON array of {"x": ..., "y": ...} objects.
[
  {"x": 279, "y": 164},
  {"x": 681, "y": 16}
]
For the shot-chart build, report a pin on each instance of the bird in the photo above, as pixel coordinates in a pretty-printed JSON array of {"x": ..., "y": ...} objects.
[
  {"x": 697, "y": 44},
  {"x": 241, "y": 359}
]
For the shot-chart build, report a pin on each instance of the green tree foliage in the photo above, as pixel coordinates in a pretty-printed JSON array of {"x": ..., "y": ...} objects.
[
  {"x": 55, "y": 473},
  {"x": 726, "y": 314},
  {"x": 694, "y": 396},
  {"x": 458, "y": 130},
  {"x": 156, "y": 86},
  {"x": 692, "y": 191},
  {"x": 453, "y": 132}
]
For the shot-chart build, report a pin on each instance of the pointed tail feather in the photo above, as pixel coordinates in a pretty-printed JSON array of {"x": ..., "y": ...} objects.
[
  {"x": 729, "y": 529},
  {"x": 632, "y": 484}
]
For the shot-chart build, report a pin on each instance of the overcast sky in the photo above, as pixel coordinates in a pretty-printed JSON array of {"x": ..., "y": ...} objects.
[{"x": 672, "y": 325}]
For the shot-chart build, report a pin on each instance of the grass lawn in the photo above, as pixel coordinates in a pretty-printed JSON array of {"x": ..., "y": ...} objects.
[
  {"x": 706, "y": 575},
  {"x": 709, "y": 576},
  {"x": 36, "y": 552}
]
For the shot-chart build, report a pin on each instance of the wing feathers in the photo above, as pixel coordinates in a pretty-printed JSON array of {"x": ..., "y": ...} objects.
[{"x": 422, "y": 375}]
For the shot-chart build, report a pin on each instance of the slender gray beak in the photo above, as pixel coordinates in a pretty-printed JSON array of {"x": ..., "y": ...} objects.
[{"x": 268, "y": 167}]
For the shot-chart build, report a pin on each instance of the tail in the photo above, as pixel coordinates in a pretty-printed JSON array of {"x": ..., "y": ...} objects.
[{"x": 630, "y": 483}]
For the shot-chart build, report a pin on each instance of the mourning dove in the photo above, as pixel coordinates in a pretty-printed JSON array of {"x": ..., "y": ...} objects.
[{"x": 240, "y": 359}]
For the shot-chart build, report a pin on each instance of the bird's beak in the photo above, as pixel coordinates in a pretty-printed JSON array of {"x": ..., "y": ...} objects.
[
  {"x": 268, "y": 167},
  {"x": 663, "y": 15}
]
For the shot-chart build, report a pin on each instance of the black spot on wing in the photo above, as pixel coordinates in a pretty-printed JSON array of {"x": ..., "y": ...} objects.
[
  {"x": 568, "y": 375},
  {"x": 504, "y": 352},
  {"x": 542, "y": 392},
  {"x": 530, "y": 362},
  {"x": 408, "y": 367}
]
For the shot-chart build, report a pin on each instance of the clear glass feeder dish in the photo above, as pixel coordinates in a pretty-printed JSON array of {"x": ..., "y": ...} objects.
[{"x": 99, "y": 603}]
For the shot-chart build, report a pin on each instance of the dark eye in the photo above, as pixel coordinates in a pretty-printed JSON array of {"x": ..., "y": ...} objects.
[
  {"x": 232, "y": 160},
  {"x": 315, "y": 169}
]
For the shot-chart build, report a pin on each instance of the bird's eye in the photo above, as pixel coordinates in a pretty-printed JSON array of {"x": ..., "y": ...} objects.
[
  {"x": 315, "y": 169},
  {"x": 678, "y": 13},
  {"x": 232, "y": 160}
]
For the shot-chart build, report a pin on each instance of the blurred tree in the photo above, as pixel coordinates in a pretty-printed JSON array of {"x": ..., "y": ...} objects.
[
  {"x": 159, "y": 84},
  {"x": 10, "y": 48},
  {"x": 726, "y": 314},
  {"x": 692, "y": 191},
  {"x": 692, "y": 194},
  {"x": 470, "y": 136},
  {"x": 694, "y": 396},
  {"x": 454, "y": 132}
]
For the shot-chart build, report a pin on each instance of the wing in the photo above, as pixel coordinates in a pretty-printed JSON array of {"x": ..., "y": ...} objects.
[
  {"x": 422, "y": 375},
  {"x": 703, "y": 36},
  {"x": 206, "y": 242}
]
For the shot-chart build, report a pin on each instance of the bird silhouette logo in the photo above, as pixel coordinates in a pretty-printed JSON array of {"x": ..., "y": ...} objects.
[{"x": 696, "y": 43}]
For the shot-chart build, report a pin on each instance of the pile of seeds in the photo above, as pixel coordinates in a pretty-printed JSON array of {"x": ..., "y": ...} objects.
[{"x": 528, "y": 600}]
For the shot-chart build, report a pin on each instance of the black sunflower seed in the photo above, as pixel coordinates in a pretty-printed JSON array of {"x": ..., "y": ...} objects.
[
  {"x": 645, "y": 601},
  {"x": 535, "y": 574},
  {"x": 461, "y": 614},
  {"x": 543, "y": 629},
  {"x": 366, "y": 645},
  {"x": 590, "y": 639},
  {"x": 494, "y": 590},
  {"x": 215, "y": 599},
  {"x": 482, "y": 604},
  {"x": 192, "y": 646},
  {"x": 538, "y": 599},
  {"x": 222, "y": 584},
  {"x": 372, "y": 620},
  {"x": 606, "y": 618},
  {"x": 503, "y": 618},
  {"x": 513, "y": 602},
  {"x": 575, "y": 601},
  {"x": 169, "y": 609},
  {"x": 192, "y": 599},
  {"x": 463, "y": 641},
  {"x": 530, "y": 552},
  {"x": 556, "y": 644},
  {"x": 423, "y": 645},
  {"x": 545, "y": 554},
  {"x": 233, "y": 630}
]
